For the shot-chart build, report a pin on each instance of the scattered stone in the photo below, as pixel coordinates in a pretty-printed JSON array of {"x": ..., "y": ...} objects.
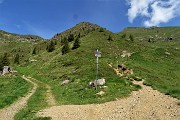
[
  {"x": 100, "y": 93},
  {"x": 33, "y": 60},
  {"x": 105, "y": 86},
  {"x": 65, "y": 82},
  {"x": 125, "y": 53},
  {"x": 167, "y": 53}
]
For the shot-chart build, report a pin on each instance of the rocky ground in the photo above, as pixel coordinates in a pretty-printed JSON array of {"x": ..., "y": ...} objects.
[{"x": 145, "y": 104}]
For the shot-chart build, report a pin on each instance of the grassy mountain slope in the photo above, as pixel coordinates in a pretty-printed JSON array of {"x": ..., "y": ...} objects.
[
  {"x": 79, "y": 66},
  {"x": 156, "y": 61},
  {"x": 155, "y": 58}
]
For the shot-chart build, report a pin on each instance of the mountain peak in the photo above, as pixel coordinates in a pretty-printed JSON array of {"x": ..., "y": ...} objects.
[{"x": 82, "y": 28}]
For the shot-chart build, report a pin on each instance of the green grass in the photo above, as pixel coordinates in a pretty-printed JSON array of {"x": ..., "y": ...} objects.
[
  {"x": 11, "y": 88},
  {"x": 36, "y": 102}
]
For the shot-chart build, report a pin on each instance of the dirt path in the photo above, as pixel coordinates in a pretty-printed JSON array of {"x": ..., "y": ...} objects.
[
  {"x": 9, "y": 112},
  {"x": 145, "y": 104},
  {"x": 50, "y": 97}
]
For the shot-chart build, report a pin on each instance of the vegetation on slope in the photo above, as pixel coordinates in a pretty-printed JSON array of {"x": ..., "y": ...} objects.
[
  {"x": 154, "y": 58},
  {"x": 11, "y": 88}
]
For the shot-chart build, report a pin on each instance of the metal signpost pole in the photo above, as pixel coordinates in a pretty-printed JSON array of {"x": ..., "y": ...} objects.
[
  {"x": 97, "y": 54},
  {"x": 96, "y": 70}
]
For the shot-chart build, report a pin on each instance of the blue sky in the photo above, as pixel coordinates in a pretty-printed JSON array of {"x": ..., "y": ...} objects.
[{"x": 48, "y": 17}]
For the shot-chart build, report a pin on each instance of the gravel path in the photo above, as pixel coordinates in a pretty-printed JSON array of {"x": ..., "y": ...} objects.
[
  {"x": 145, "y": 104},
  {"x": 9, "y": 112}
]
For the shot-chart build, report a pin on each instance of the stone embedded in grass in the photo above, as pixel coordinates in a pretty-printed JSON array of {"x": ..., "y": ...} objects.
[
  {"x": 65, "y": 82},
  {"x": 167, "y": 53},
  {"x": 98, "y": 82},
  {"x": 100, "y": 93},
  {"x": 125, "y": 53}
]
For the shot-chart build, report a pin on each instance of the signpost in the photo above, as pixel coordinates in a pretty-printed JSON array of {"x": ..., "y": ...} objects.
[{"x": 97, "y": 55}]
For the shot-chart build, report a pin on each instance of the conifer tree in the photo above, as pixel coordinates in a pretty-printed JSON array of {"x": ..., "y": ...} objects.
[
  {"x": 124, "y": 35},
  {"x": 34, "y": 51},
  {"x": 79, "y": 35},
  {"x": 76, "y": 44},
  {"x": 51, "y": 47},
  {"x": 5, "y": 60},
  {"x": 16, "y": 59},
  {"x": 110, "y": 38},
  {"x": 131, "y": 38},
  {"x": 65, "y": 48},
  {"x": 1, "y": 65},
  {"x": 71, "y": 38}
]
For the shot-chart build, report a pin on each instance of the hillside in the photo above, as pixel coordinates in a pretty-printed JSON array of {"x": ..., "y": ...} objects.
[{"x": 153, "y": 57}]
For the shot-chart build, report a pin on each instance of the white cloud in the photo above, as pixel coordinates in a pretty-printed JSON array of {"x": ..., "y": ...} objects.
[{"x": 161, "y": 11}]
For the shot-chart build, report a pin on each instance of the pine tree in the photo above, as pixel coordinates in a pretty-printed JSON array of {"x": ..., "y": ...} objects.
[
  {"x": 1, "y": 65},
  {"x": 16, "y": 59},
  {"x": 5, "y": 60},
  {"x": 76, "y": 44},
  {"x": 131, "y": 38},
  {"x": 79, "y": 35},
  {"x": 55, "y": 42},
  {"x": 124, "y": 35},
  {"x": 51, "y": 47},
  {"x": 63, "y": 40},
  {"x": 110, "y": 38},
  {"x": 65, "y": 48},
  {"x": 34, "y": 51},
  {"x": 71, "y": 38}
]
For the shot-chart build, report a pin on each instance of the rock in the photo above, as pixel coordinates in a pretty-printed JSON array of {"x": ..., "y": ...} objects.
[
  {"x": 6, "y": 70},
  {"x": 125, "y": 53},
  {"x": 101, "y": 81},
  {"x": 65, "y": 82},
  {"x": 100, "y": 93},
  {"x": 167, "y": 53}
]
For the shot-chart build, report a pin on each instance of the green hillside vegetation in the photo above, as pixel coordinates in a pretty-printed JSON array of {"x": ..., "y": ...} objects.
[
  {"x": 11, "y": 88},
  {"x": 154, "y": 58}
]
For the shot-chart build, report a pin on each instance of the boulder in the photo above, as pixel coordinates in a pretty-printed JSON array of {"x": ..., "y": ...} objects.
[
  {"x": 101, "y": 81},
  {"x": 98, "y": 82},
  {"x": 6, "y": 70},
  {"x": 65, "y": 82}
]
